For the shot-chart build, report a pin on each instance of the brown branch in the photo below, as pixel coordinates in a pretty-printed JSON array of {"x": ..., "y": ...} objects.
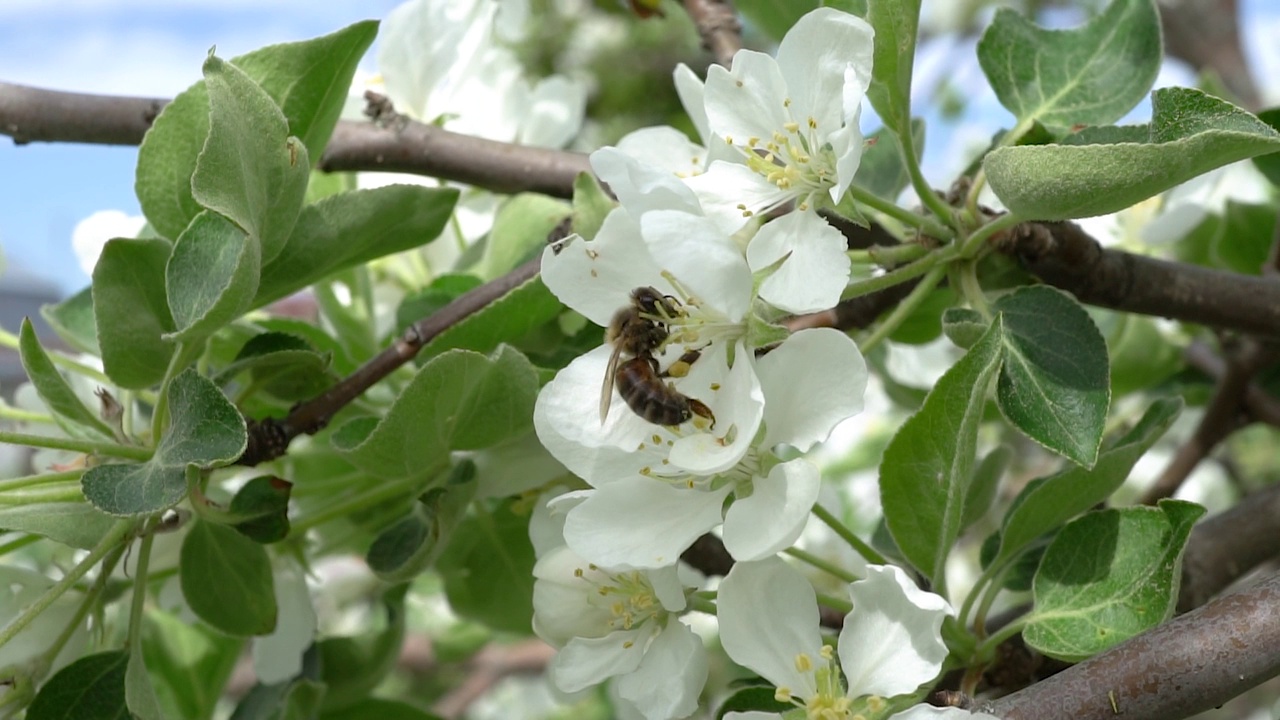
[
  {"x": 1206, "y": 34},
  {"x": 30, "y": 114},
  {"x": 718, "y": 25},
  {"x": 1064, "y": 256},
  {"x": 1258, "y": 403},
  {"x": 1222, "y": 416},
  {"x": 270, "y": 438},
  {"x": 1225, "y": 547},
  {"x": 1190, "y": 664}
]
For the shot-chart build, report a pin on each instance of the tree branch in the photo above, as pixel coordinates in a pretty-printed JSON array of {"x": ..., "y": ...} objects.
[
  {"x": 29, "y": 114},
  {"x": 718, "y": 25},
  {"x": 1190, "y": 664},
  {"x": 1064, "y": 256}
]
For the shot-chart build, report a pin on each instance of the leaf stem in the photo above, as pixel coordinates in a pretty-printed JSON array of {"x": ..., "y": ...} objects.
[
  {"x": 702, "y": 605},
  {"x": 974, "y": 243},
  {"x": 88, "y": 447},
  {"x": 160, "y": 415},
  {"x": 966, "y": 276},
  {"x": 924, "y": 192},
  {"x": 835, "y": 602},
  {"x": 71, "y": 494},
  {"x": 27, "y": 481},
  {"x": 866, "y": 551},
  {"x": 91, "y": 597},
  {"x": 117, "y": 533},
  {"x": 904, "y": 308},
  {"x": 987, "y": 647},
  {"x": 377, "y": 494},
  {"x": 819, "y": 563},
  {"x": 8, "y": 412},
  {"x": 21, "y": 542},
  {"x": 139, "y": 599},
  {"x": 899, "y": 275},
  {"x": 924, "y": 224}
]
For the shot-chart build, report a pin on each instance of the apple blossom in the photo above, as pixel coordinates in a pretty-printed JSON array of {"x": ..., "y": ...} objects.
[
  {"x": 890, "y": 644},
  {"x": 793, "y": 121},
  {"x": 621, "y": 624}
]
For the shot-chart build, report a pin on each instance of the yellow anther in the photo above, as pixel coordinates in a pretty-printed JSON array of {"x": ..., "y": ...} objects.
[
  {"x": 827, "y": 652},
  {"x": 782, "y": 694},
  {"x": 792, "y": 127},
  {"x": 804, "y": 663}
]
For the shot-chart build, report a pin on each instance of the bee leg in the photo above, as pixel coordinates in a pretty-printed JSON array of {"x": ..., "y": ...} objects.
[
  {"x": 700, "y": 409},
  {"x": 680, "y": 367}
]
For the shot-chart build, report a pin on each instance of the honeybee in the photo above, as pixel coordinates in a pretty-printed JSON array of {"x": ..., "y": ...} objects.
[{"x": 638, "y": 330}]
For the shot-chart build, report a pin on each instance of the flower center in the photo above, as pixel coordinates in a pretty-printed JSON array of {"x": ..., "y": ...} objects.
[
  {"x": 794, "y": 159},
  {"x": 830, "y": 701},
  {"x": 628, "y": 596}
]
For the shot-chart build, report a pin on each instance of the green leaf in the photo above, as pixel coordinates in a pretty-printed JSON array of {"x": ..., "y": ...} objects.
[
  {"x": 189, "y": 663},
  {"x": 460, "y": 400},
  {"x": 1048, "y": 502},
  {"x": 139, "y": 695},
  {"x": 76, "y": 524},
  {"x": 351, "y": 229},
  {"x": 226, "y": 579},
  {"x": 1092, "y": 74},
  {"x": 250, "y": 170},
  {"x": 281, "y": 364},
  {"x": 520, "y": 231},
  {"x": 881, "y": 170},
  {"x": 261, "y": 509},
  {"x": 308, "y": 81},
  {"x": 963, "y": 326},
  {"x": 488, "y": 570},
  {"x": 927, "y": 467},
  {"x": 131, "y": 311},
  {"x": 1103, "y": 171},
  {"x": 895, "y": 23},
  {"x": 71, "y": 414},
  {"x": 591, "y": 204},
  {"x": 72, "y": 319},
  {"x": 443, "y": 290},
  {"x": 924, "y": 324},
  {"x": 1107, "y": 577},
  {"x": 91, "y": 688},
  {"x": 985, "y": 483},
  {"x": 1140, "y": 356},
  {"x": 353, "y": 666},
  {"x": 410, "y": 546},
  {"x": 774, "y": 17},
  {"x": 506, "y": 319},
  {"x": 1054, "y": 386},
  {"x": 205, "y": 431},
  {"x": 1269, "y": 165},
  {"x": 1244, "y": 237},
  {"x": 211, "y": 277},
  {"x": 753, "y": 699},
  {"x": 296, "y": 699}
]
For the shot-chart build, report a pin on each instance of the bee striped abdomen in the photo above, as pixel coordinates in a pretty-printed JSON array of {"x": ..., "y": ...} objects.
[{"x": 648, "y": 396}]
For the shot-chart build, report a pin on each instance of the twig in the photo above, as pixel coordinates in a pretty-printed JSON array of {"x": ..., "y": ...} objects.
[
  {"x": 1260, "y": 404},
  {"x": 719, "y": 27},
  {"x": 487, "y": 667},
  {"x": 1063, "y": 255},
  {"x": 270, "y": 438},
  {"x": 1228, "y": 545},
  {"x": 30, "y": 114},
  {"x": 1190, "y": 664}
]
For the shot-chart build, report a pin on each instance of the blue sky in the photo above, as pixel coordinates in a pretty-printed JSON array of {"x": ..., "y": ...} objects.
[{"x": 155, "y": 48}]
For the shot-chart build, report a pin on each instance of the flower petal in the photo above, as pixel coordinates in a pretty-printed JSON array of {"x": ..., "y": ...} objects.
[
  {"x": 812, "y": 382},
  {"x": 825, "y": 51},
  {"x": 646, "y": 182},
  {"x": 738, "y": 404},
  {"x": 774, "y": 515},
  {"x": 589, "y": 661},
  {"x": 557, "y": 106},
  {"x": 689, "y": 88},
  {"x": 748, "y": 101},
  {"x": 892, "y": 640},
  {"x": 928, "y": 712},
  {"x": 671, "y": 676},
  {"x": 814, "y": 269},
  {"x": 596, "y": 277},
  {"x": 768, "y": 615},
  {"x": 702, "y": 257},
  {"x": 731, "y": 194},
  {"x": 563, "y": 606},
  {"x": 641, "y": 523}
]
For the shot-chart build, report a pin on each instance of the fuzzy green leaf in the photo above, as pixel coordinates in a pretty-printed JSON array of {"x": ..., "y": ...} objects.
[
  {"x": 211, "y": 277},
  {"x": 895, "y": 23},
  {"x": 91, "y": 688},
  {"x": 226, "y": 580},
  {"x": 54, "y": 391},
  {"x": 131, "y": 311}
]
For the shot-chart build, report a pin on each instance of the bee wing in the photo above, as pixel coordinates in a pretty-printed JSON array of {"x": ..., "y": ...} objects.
[{"x": 606, "y": 388}]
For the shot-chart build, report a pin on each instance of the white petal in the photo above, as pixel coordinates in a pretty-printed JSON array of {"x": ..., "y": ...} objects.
[
  {"x": 664, "y": 147},
  {"x": 671, "y": 676},
  {"x": 424, "y": 44},
  {"x": 566, "y": 417},
  {"x": 816, "y": 268},
  {"x": 746, "y": 102},
  {"x": 589, "y": 661},
  {"x": 732, "y": 194},
  {"x": 563, "y": 595},
  {"x": 822, "y": 53},
  {"x": 596, "y": 277},
  {"x": 643, "y": 186},
  {"x": 702, "y": 257},
  {"x": 738, "y": 404},
  {"x": 752, "y": 715},
  {"x": 768, "y": 615},
  {"x": 847, "y": 146},
  {"x": 811, "y": 382},
  {"x": 668, "y": 586},
  {"x": 774, "y": 516},
  {"x": 891, "y": 642},
  {"x": 641, "y": 523},
  {"x": 555, "y": 114},
  {"x": 690, "y": 90},
  {"x": 546, "y": 526},
  {"x": 278, "y": 656},
  {"x": 928, "y": 712}
]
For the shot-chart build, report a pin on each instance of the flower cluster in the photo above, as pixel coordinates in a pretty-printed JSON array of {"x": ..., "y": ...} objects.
[{"x": 709, "y": 402}]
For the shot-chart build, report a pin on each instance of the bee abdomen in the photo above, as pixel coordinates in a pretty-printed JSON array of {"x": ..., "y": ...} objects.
[{"x": 648, "y": 396}]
